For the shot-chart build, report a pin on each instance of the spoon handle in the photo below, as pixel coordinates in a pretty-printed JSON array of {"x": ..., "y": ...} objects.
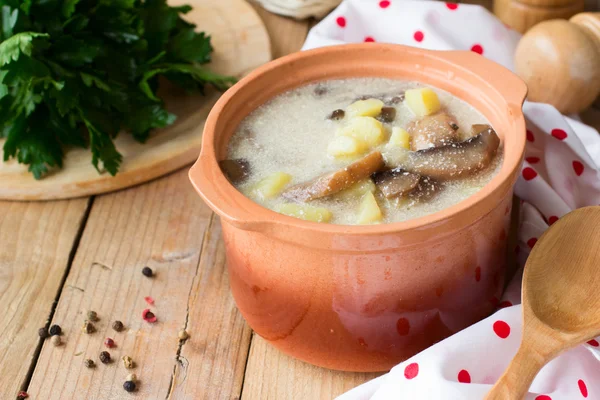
[{"x": 515, "y": 382}]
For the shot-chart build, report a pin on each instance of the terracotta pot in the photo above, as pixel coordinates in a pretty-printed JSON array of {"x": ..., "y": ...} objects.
[{"x": 363, "y": 298}]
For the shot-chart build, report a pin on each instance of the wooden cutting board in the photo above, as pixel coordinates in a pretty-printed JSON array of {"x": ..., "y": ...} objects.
[{"x": 241, "y": 44}]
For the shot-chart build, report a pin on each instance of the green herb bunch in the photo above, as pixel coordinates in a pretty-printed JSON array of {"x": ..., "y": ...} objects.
[{"x": 76, "y": 72}]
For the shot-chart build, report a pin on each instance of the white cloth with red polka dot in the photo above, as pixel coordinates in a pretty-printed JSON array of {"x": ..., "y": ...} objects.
[{"x": 560, "y": 174}]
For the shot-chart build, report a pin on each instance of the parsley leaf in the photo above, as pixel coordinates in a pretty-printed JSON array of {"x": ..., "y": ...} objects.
[{"x": 75, "y": 73}]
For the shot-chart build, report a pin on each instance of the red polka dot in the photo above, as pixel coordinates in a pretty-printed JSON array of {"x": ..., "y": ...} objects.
[
  {"x": 543, "y": 397},
  {"x": 384, "y": 4},
  {"x": 477, "y": 48},
  {"x": 532, "y": 160},
  {"x": 593, "y": 343},
  {"x": 501, "y": 329},
  {"x": 411, "y": 371},
  {"x": 452, "y": 6},
  {"x": 529, "y": 173},
  {"x": 369, "y": 39},
  {"x": 578, "y": 168},
  {"x": 531, "y": 242},
  {"x": 341, "y": 21},
  {"x": 419, "y": 36},
  {"x": 530, "y": 137},
  {"x": 505, "y": 304},
  {"x": 464, "y": 377},
  {"x": 552, "y": 219},
  {"x": 582, "y": 388},
  {"x": 478, "y": 274},
  {"x": 402, "y": 326},
  {"x": 559, "y": 134}
]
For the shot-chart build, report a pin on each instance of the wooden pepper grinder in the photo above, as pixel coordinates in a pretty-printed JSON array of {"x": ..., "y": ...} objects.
[
  {"x": 560, "y": 62},
  {"x": 523, "y": 14}
]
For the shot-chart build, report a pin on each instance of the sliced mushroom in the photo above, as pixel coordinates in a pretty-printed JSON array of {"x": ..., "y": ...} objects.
[
  {"x": 336, "y": 181},
  {"x": 236, "y": 171},
  {"x": 388, "y": 114},
  {"x": 447, "y": 162},
  {"x": 426, "y": 189},
  {"x": 395, "y": 182},
  {"x": 433, "y": 131}
]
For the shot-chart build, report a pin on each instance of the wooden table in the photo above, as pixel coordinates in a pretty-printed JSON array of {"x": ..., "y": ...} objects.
[{"x": 60, "y": 259}]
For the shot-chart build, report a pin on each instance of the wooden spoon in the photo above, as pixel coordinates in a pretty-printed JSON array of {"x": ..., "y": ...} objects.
[{"x": 561, "y": 306}]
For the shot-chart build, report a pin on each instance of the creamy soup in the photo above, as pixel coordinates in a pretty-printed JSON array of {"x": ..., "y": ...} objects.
[{"x": 362, "y": 151}]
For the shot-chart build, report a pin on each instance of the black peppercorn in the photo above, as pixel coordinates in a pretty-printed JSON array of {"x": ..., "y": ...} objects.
[
  {"x": 43, "y": 332},
  {"x": 105, "y": 357},
  {"x": 453, "y": 126},
  {"x": 117, "y": 326},
  {"x": 147, "y": 271},
  {"x": 129, "y": 386},
  {"x": 55, "y": 330},
  {"x": 89, "y": 363}
]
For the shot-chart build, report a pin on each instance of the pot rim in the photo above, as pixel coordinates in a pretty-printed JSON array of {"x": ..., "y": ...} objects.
[{"x": 229, "y": 203}]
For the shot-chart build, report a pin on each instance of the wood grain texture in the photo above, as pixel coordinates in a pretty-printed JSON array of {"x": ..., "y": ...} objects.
[
  {"x": 241, "y": 43},
  {"x": 287, "y": 34},
  {"x": 211, "y": 363},
  {"x": 36, "y": 240},
  {"x": 163, "y": 225},
  {"x": 272, "y": 375}
]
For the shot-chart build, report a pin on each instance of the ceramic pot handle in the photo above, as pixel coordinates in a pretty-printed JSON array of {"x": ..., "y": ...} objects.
[
  {"x": 213, "y": 187},
  {"x": 512, "y": 88}
]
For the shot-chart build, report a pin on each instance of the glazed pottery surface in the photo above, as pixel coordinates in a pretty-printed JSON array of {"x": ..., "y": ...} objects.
[{"x": 363, "y": 298}]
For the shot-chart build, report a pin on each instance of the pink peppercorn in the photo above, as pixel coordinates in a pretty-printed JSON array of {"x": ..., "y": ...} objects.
[{"x": 108, "y": 342}]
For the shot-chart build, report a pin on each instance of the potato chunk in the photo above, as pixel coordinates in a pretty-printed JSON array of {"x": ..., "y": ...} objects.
[
  {"x": 369, "y": 211},
  {"x": 422, "y": 101},
  {"x": 305, "y": 212},
  {"x": 272, "y": 185},
  {"x": 357, "y": 190},
  {"x": 367, "y": 129},
  {"x": 399, "y": 138},
  {"x": 365, "y": 108},
  {"x": 344, "y": 146},
  {"x": 336, "y": 181}
]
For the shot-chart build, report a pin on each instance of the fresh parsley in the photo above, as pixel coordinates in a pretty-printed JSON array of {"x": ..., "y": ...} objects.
[{"x": 74, "y": 73}]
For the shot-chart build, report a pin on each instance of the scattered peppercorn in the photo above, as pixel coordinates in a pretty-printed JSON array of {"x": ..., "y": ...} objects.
[
  {"x": 129, "y": 386},
  {"x": 55, "y": 330},
  {"x": 147, "y": 271},
  {"x": 43, "y": 332},
  {"x": 105, "y": 357},
  {"x": 453, "y": 126},
  {"x": 128, "y": 362},
  {"x": 56, "y": 340},
  {"x": 117, "y": 326},
  {"x": 337, "y": 115},
  {"x": 88, "y": 327},
  {"x": 320, "y": 90},
  {"x": 22, "y": 395},
  {"x": 92, "y": 316},
  {"x": 132, "y": 377},
  {"x": 183, "y": 335},
  {"x": 148, "y": 315},
  {"x": 396, "y": 99},
  {"x": 108, "y": 342},
  {"x": 89, "y": 363}
]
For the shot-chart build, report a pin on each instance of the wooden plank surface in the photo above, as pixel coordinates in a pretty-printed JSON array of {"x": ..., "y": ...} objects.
[
  {"x": 35, "y": 243},
  {"x": 273, "y": 375},
  {"x": 164, "y": 225}
]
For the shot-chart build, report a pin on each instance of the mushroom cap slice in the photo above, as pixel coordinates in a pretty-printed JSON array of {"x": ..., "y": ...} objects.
[
  {"x": 433, "y": 131},
  {"x": 452, "y": 161},
  {"x": 395, "y": 182},
  {"x": 237, "y": 171},
  {"x": 336, "y": 181}
]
